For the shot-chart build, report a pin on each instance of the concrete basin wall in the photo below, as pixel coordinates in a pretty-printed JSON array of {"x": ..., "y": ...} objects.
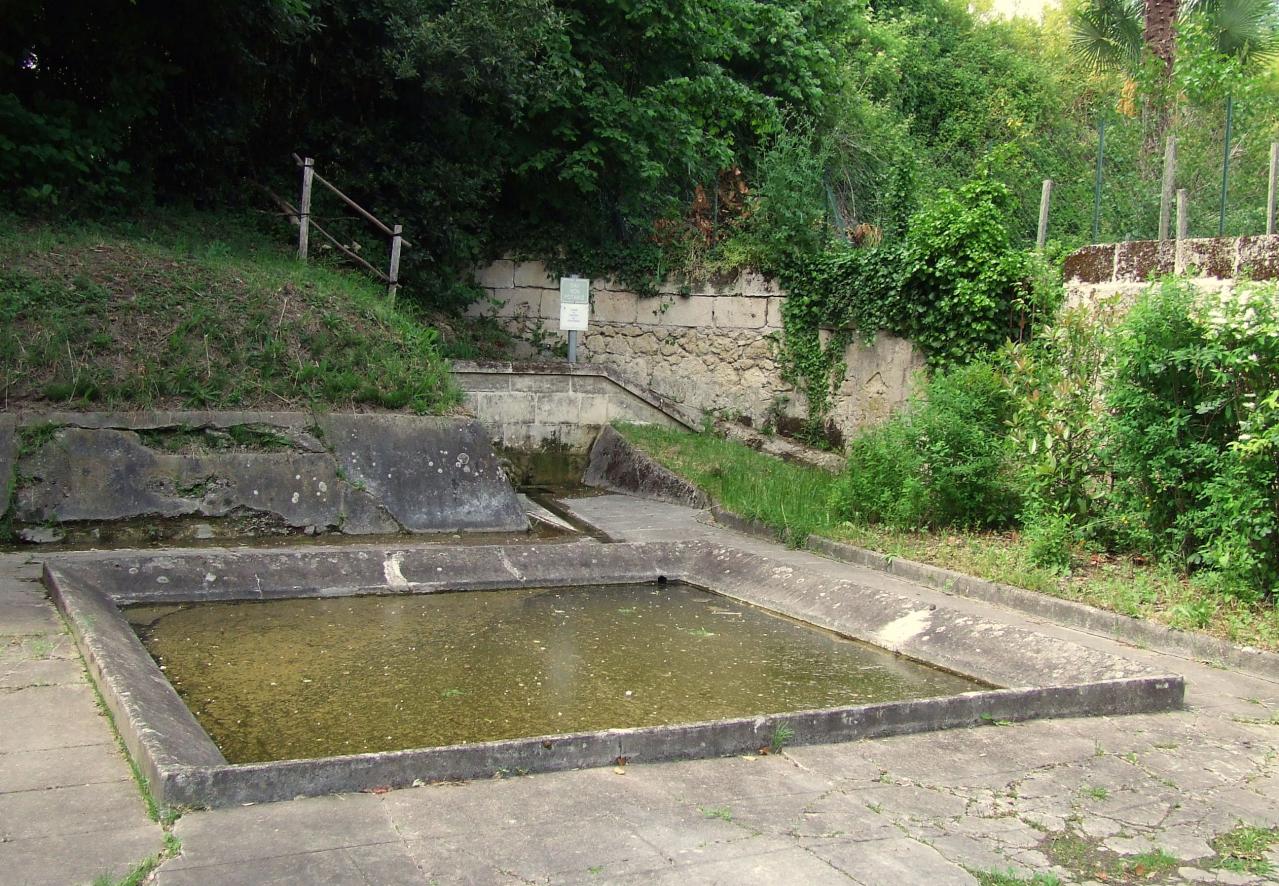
[{"x": 558, "y": 406}]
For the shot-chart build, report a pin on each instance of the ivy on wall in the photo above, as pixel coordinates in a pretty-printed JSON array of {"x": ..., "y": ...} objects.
[{"x": 955, "y": 285}]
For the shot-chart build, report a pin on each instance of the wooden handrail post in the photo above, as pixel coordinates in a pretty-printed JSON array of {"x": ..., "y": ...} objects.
[
  {"x": 304, "y": 211},
  {"x": 1045, "y": 197},
  {"x": 1183, "y": 226},
  {"x": 1274, "y": 185},
  {"x": 393, "y": 278},
  {"x": 1169, "y": 182}
]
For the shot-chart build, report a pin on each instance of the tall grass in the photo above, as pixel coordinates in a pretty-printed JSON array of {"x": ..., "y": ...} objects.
[{"x": 788, "y": 497}]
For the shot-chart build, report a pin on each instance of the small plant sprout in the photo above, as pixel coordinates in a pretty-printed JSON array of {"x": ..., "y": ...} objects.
[
  {"x": 781, "y": 735},
  {"x": 723, "y": 813}
]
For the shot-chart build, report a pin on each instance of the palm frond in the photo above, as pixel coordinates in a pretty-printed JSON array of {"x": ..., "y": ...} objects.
[
  {"x": 1106, "y": 34},
  {"x": 1248, "y": 29}
]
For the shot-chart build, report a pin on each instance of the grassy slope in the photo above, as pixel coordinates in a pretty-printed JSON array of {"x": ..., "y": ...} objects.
[
  {"x": 793, "y": 499},
  {"x": 187, "y": 310}
]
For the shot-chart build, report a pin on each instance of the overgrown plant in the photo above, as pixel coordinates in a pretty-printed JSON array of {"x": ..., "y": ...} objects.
[
  {"x": 956, "y": 285},
  {"x": 941, "y": 462},
  {"x": 1056, "y": 432},
  {"x": 1194, "y": 428}
]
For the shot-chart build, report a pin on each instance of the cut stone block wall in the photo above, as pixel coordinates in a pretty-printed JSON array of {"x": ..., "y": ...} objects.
[{"x": 708, "y": 347}]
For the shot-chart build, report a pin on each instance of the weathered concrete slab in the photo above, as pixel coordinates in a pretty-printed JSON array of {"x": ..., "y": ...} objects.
[
  {"x": 356, "y": 474},
  {"x": 45, "y": 717},
  {"x": 315, "y": 824},
  {"x": 618, "y": 466},
  {"x": 59, "y": 859},
  {"x": 63, "y": 767},
  {"x": 431, "y": 474},
  {"x": 80, "y": 809},
  {"x": 386, "y": 864},
  {"x": 8, "y": 458}
]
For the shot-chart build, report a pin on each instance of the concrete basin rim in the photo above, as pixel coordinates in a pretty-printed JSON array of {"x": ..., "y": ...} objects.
[{"x": 200, "y": 775}]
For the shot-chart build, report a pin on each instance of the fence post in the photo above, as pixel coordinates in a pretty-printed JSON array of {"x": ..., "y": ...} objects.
[
  {"x": 393, "y": 278},
  {"x": 1183, "y": 225},
  {"x": 1045, "y": 197},
  {"x": 1274, "y": 184},
  {"x": 304, "y": 212},
  {"x": 1165, "y": 195},
  {"x": 1096, "y": 197},
  {"x": 1225, "y": 165}
]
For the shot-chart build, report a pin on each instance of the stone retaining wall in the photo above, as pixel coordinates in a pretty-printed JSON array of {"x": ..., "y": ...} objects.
[
  {"x": 709, "y": 347},
  {"x": 1122, "y": 270},
  {"x": 130, "y": 477}
]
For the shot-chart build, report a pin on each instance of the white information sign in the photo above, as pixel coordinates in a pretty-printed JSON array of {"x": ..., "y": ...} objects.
[{"x": 575, "y": 303}]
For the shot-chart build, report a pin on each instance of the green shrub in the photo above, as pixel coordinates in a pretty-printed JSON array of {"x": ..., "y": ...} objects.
[
  {"x": 1056, "y": 380},
  {"x": 963, "y": 284},
  {"x": 942, "y": 462},
  {"x": 1194, "y": 428},
  {"x": 1050, "y": 536}
]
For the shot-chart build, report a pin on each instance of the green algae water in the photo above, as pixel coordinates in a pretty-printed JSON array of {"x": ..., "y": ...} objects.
[{"x": 301, "y": 678}]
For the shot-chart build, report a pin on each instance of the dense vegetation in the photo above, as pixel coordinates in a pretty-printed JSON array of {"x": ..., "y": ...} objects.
[
  {"x": 1154, "y": 436},
  {"x": 794, "y": 500},
  {"x": 637, "y": 138}
]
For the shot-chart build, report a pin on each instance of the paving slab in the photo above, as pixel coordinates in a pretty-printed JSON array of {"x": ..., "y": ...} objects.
[
  {"x": 68, "y": 859},
  {"x": 26, "y": 613},
  {"x": 78, "y": 809},
  {"x": 40, "y": 672},
  {"x": 383, "y": 865},
  {"x": 226, "y": 836},
  {"x": 42, "y": 717},
  {"x": 896, "y": 860},
  {"x": 759, "y": 861},
  {"x": 62, "y": 767}
]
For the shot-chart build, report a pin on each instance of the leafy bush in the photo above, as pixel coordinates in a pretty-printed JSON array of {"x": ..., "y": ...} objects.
[
  {"x": 943, "y": 462},
  {"x": 1056, "y": 380},
  {"x": 1194, "y": 428},
  {"x": 963, "y": 283}
]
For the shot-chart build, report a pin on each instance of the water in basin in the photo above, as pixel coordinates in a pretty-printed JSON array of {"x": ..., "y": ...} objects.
[{"x": 315, "y": 677}]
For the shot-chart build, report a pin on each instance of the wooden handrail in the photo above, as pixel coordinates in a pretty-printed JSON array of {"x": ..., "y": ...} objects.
[
  {"x": 356, "y": 206},
  {"x": 350, "y": 254}
]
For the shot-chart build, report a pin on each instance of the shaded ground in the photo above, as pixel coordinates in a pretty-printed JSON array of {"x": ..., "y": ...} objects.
[{"x": 1143, "y": 799}]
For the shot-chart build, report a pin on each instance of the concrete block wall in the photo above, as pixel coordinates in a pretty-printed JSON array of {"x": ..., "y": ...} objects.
[
  {"x": 712, "y": 346},
  {"x": 528, "y": 407},
  {"x": 1122, "y": 270}
]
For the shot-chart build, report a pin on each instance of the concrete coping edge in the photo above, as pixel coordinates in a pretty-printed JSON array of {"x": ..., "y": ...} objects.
[{"x": 1113, "y": 625}]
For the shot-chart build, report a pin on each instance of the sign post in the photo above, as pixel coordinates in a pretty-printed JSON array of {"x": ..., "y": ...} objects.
[{"x": 575, "y": 310}]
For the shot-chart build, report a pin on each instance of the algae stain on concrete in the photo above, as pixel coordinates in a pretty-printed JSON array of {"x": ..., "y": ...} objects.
[{"x": 319, "y": 677}]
